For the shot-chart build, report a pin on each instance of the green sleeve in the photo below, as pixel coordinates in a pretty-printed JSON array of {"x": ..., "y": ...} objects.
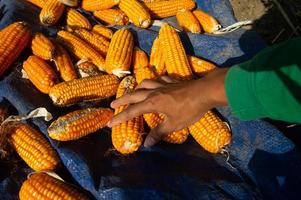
[{"x": 269, "y": 85}]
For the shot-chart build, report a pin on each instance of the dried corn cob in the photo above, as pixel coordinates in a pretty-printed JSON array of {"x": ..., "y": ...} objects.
[
  {"x": 79, "y": 123},
  {"x": 144, "y": 73},
  {"x": 208, "y": 23},
  {"x": 42, "y": 46},
  {"x": 94, "y": 5},
  {"x": 51, "y": 12},
  {"x": 163, "y": 9},
  {"x": 211, "y": 133},
  {"x": 86, "y": 68},
  {"x": 176, "y": 61},
  {"x": 199, "y": 66},
  {"x": 33, "y": 148},
  {"x": 112, "y": 17},
  {"x": 64, "y": 64},
  {"x": 136, "y": 12},
  {"x": 13, "y": 40},
  {"x": 140, "y": 59},
  {"x": 71, "y": 3},
  {"x": 39, "y": 3},
  {"x": 188, "y": 21},
  {"x": 102, "y": 30},
  {"x": 156, "y": 60},
  {"x": 119, "y": 55},
  {"x": 84, "y": 89},
  {"x": 40, "y": 73},
  {"x": 43, "y": 186},
  {"x": 127, "y": 136},
  {"x": 149, "y": 1},
  {"x": 76, "y": 20},
  {"x": 98, "y": 42},
  {"x": 81, "y": 49}
]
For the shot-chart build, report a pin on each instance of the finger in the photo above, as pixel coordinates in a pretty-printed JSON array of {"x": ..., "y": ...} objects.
[
  {"x": 149, "y": 84},
  {"x": 130, "y": 98},
  {"x": 155, "y": 135},
  {"x": 166, "y": 79}
]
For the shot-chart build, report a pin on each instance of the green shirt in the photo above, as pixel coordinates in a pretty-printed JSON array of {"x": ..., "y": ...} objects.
[{"x": 269, "y": 85}]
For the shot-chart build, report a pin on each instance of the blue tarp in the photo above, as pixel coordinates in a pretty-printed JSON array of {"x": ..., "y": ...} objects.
[{"x": 263, "y": 163}]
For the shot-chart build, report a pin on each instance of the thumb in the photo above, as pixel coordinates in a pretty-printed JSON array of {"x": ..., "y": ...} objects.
[{"x": 155, "y": 135}]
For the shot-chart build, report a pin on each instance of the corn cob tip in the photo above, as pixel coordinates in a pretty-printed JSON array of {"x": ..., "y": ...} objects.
[
  {"x": 71, "y": 3},
  {"x": 120, "y": 73},
  {"x": 145, "y": 23}
]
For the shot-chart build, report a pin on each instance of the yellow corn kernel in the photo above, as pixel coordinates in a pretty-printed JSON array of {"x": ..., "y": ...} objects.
[
  {"x": 163, "y": 9},
  {"x": 79, "y": 123},
  {"x": 84, "y": 89},
  {"x": 156, "y": 60},
  {"x": 188, "y": 21},
  {"x": 33, "y": 148},
  {"x": 42, "y": 46},
  {"x": 38, "y": 3},
  {"x": 136, "y": 12},
  {"x": 119, "y": 56},
  {"x": 211, "y": 132},
  {"x": 127, "y": 136},
  {"x": 140, "y": 59},
  {"x": 144, "y": 73},
  {"x": 76, "y": 20},
  {"x": 86, "y": 68},
  {"x": 112, "y": 17},
  {"x": 176, "y": 61},
  {"x": 43, "y": 186},
  {"x": 208, "y": 23},
  {"x": 81, "y": 49},
  {"x": 103, "y": 31},
  {"x": 40, "y": 73},
  {"x": 51, "y": 12},
  {"x": 199, "y": 66},
  {"x": 94, "y": 5}
]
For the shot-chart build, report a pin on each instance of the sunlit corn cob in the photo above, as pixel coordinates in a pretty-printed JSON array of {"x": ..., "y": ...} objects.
[
  {"x": 43, "y": 186},
  {"x": 156, "y": 60},
  {"x": 84, "y": 89},
  {"x": 144, "y": 73},
  {"x": 176, "y": 61},
  {"x": 3, "y": 113},
  {"x": 94, "y": 5},
  {"x": 39, "y": 3},
  {"x": 148, "y": 1},
  {"x": 40, "y": 73},
  {"x": 87, "y": 68},
  {"x": 199, "y": 66},
  {"x": 79, "y": 123},
  {"x": 140, "y": 59},
  {"x": 119, "y": 56},
  {"x": 136, "y": 12},
  {"x": 81, "y": 49},
  {"x": 102, "y": 30},
  {"x": 42, "y": 46},
  {"x": 33, "y": 148},
  {"x": 76, "y": 20},
  {"x": 127, "y": 136},
  {"x": 188, "y": 21},
  {"x": 64, "y": 64},
  {"x": 71, "y": 3},
  {"x": 208, "y": 23},
  {"x": 98, "y": 42},
  {"x": 211, "y": 132},
  {"x": 51, "y": 12},
  {"x": 112, "y": 17},
  {"x": 13, "y": 40},
  {"x": 163, "y": 9}
]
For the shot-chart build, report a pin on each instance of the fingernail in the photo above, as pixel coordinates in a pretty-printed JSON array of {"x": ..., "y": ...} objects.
[
  {"x": 149, "y": 142},
  {"x": 112, "y": 104},
  {"x": 109, "y": 124}
]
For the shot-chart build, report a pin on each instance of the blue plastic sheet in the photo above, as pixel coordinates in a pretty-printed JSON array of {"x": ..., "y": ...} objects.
[{"x": 263, "y": 164}]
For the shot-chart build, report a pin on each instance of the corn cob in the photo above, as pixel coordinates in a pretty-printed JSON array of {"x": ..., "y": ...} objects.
[
  {"x": 86, "y": 68},
  {"x": 40, "y": 73},
  {"x": 208, "y": 23},
  {"x": 64, "y": 64},
  {"x": 84, "y": 89},
  {"x": 102, "y": 30},
  {"x": 144, "y": 73},
  {"x": 51, "y": 12},
  {"x": 127, "y": 136},
  {"x": 199, "y": 66},
  {"x": 76, "y": 20},
  {"x": 140, "y": 59},
  {"x": 13, "y": 40},
  {"x": 42, "y": 46},
  {"x": 112, "y": 17},
  {"x": 149, "y": 1},
  {"x": 163, "y": 9},
  {"x": 98, "y": 42},
  {"x": 79, "y": 123},
  {"x": 71, "y": 3},
  {"x": 211, "y": 133},
  {"x": 156, "y": 60},
  {"x": 43, "y": 186},
  {"x": 136, "y": 12},
  {"x": 119, "y": 55},
  {"x": 81, "y": 49},
  {"x": 94, "y": 5},
  {"x": 38, "y": 3},
  {"x": 188, "y": 21},
  {"x": 33, "y": 148},
  {"x": 176, "y": 61}
]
